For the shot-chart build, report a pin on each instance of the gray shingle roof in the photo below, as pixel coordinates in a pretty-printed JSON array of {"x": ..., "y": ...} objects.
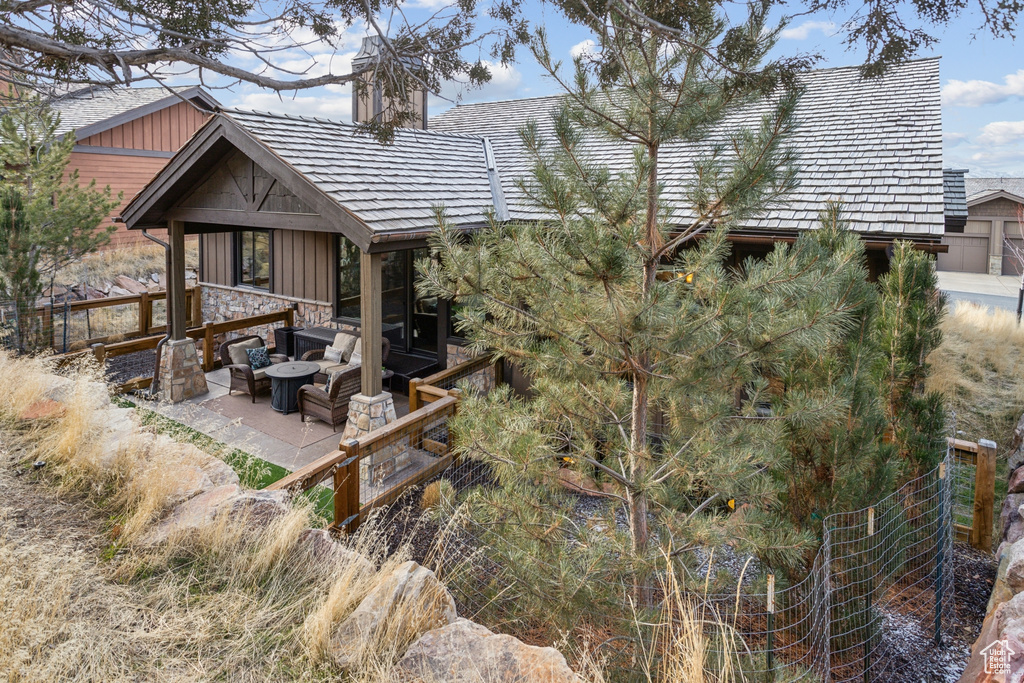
[
  {"x": 388, "y": 187},
  {"x": 874, "y": 144},
  {"x": 80, "y": 109},
  {"x": 979, "y": 187},
  {"x": 955, "y": 194}
]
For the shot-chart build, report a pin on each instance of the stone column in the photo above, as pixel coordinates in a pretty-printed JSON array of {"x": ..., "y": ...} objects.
[
  {"x": 367, "y": 413},
  {"x": 181, "y": 374}
]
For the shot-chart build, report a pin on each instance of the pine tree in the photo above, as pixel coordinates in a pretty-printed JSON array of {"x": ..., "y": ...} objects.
[
  {"x": 911, "y": 308},
  {"x": 618, "y": 305},
  {"x": 48, "y": 221}
]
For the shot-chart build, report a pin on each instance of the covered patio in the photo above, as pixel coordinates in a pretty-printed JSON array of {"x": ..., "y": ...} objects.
[{"x": 315, "y": 215}]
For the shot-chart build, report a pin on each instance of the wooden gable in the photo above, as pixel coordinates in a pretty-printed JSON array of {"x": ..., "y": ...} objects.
[{"x": 238, "y": 183}]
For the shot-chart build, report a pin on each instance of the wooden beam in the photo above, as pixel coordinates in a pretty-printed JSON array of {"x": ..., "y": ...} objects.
[
  {"x": 176, "y": 280},
  {"x": 984, "y": 496},
  {"x": 370, "y": 324}
]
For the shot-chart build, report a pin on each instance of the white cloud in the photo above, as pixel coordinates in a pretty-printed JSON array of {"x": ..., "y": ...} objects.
[
  {"x": 337, "y": 107},
  {"x": 504, "y": 84},
  {"x": 953, "y": 139},
  {"x": 1001, "y": 133},
  {"x": 804, "y": 30},
  {"x": 976, "y": 93},
  {"x": 583, "y": 49}
]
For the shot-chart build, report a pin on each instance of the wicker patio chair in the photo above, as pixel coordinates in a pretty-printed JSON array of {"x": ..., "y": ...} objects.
[
  {"x": 331, "y": 407},
  {"x": 317, "y": 355},
  {"x": 243, "y": 377}
]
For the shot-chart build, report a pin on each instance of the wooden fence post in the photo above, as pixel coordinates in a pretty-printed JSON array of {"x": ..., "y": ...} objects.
[
  {"x": 984, "y": 495},
  {"x": 414, "y": 395},
  {"x": 346, "y": 488},
  {"x": 208, "y": 359},
  {"x": 145, "y": 314},
  {"x": 99, "y": 351},
  {"x": 197, "y": 306}
]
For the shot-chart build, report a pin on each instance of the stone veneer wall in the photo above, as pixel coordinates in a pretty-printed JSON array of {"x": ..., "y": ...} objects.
[
  {"x": 227, "y": 303},
  {"x": 482, "y": 379}
]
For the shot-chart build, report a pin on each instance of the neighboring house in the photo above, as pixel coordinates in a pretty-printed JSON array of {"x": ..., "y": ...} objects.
[
  {"x": 126, "y": 135},
  {"x": 980, "y": 245},
  {"x": 313, "y": 214}
]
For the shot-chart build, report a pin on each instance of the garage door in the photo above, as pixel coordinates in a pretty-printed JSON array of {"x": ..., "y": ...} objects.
[
  {"x": 967, "y": 254},
  {"x": 1011, "y": 266}
]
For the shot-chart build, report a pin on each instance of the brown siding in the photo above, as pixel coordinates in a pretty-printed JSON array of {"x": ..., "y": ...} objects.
[
  {"x": 217, "y": 260},
  {"x": 127, "y": 174},
  {"x": 165, "y": 130},
  {"x": 303, "y": 264}
]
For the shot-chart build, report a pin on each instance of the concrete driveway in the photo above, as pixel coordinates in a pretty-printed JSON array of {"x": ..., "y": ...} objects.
[{"x": 997, "y": 291}]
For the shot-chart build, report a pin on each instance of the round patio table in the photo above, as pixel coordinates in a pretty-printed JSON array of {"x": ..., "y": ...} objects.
[{"x": 286, "y": 378}]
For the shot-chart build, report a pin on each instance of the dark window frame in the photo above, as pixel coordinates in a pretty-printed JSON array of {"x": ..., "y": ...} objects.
[{"x": 236, "y": 248}]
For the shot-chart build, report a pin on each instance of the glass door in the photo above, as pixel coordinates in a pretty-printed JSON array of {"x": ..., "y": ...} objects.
[{"x": 424, "y": 310}]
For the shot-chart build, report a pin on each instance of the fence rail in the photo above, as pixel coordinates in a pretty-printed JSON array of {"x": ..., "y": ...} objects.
[
  {"x": 207, "y": 333},
  {"x": 483, "y": 370},
  {"x": 75, "y": 324}
]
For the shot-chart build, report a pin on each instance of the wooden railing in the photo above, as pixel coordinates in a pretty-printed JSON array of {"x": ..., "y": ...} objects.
[
  {"x": 50, "y": 314},
  {"x": 420, "y": 430},
  {"x": 440, "y": 384},
  {"x": 206, "y": 332},
  {"x": 981, "y": 456}
]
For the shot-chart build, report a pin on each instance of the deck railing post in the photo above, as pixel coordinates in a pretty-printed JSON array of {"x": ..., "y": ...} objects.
[
  {"x": 414, "y": 395},
  {"x": 208, "y": 359},
  {"x": 145, "y": 314},
  {"x": 99, "y": 351},
  {"x": 197, "y": 306},
  {"x": 346, "y": 488}
]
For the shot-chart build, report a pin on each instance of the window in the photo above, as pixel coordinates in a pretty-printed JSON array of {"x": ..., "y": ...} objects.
[
  {"x": 348, "y": 279},
  {"x": 253, "y": 254}
]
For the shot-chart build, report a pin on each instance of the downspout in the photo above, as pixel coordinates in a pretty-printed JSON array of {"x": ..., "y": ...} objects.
[{"x": 155, "y": 386}]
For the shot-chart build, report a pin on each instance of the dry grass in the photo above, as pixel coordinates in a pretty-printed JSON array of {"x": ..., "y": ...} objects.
[
  {"x": 979, "y": 368},
  {"x": 136, "y": 261},
  {"x": 234, "y": 601},
  {"x": 435, "y": 493}
]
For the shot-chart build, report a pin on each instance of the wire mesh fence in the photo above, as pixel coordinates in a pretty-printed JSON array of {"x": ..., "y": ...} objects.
[{"x": 881, "y": 574}]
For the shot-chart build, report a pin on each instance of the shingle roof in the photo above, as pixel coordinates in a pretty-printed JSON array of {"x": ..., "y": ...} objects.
[
  {"x": 979, "y": 187},
  {"x": 874, "y": 144},
  {"x": 86, "y": 107},
  {"x": 388, "y": 187},
  {"x": 955, "y": 195}
]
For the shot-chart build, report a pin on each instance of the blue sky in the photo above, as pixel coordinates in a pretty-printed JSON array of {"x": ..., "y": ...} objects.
[{"x": 982, "y": 82}]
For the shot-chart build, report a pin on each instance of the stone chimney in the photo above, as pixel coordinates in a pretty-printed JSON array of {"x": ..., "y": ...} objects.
[{"x": 371, "y": 103}]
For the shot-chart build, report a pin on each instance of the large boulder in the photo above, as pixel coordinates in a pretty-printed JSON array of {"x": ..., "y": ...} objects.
[
  {"x": 1016, "y": 457},
  {"x": 1010, "y": 519},
  {"x": 410, "y": 597},
  {"x": 1015, "y": 567},
  {"x": 321, "y": 547},
  {"x": 131, "y": 284},
  {"x": 1016, "y": 484},
  {"x": 465, "y": 652},
  {"x": 245, "y": 505}
]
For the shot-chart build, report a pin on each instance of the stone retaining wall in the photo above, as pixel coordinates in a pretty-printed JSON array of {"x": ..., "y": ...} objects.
[{"x": 998, "y": 654}]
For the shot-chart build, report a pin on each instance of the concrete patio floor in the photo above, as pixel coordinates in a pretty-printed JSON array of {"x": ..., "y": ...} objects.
[{"x": 280, "y": 439}]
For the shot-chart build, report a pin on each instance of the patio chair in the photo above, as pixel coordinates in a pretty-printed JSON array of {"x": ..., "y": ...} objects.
[
  {"x": 233, "y": 357},
  {"x": 331, "y": 407},
  {"x": 326, "y": 367}
]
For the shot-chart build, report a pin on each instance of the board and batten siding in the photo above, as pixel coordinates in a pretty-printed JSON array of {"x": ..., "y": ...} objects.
[
  {"x": 302, "y": 263},
  {"x": 165, "y": 130}
]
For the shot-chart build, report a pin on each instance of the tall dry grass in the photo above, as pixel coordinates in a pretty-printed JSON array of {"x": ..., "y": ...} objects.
[
  {"x": 234, "y": 601},
  {"x": 136, "y": 261},
  {"x": 979, "y": 368}
]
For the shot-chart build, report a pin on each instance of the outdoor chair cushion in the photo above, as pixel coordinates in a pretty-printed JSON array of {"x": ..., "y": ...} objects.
[
  {"x": 260, "y": 373},
  {"x": 258, "y": 357},
  {"x": 357, "y": 356},
  {"x": 344, "y": 342},
  {"x": 331, "y": 378},
  {"x": 239, "y": 352},
  {"x": 333, "y": 355},
  {"x": 327, "y": 367}
]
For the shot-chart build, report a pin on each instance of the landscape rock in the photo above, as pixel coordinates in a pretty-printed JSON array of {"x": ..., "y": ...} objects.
[
  {"x": 65, "y": 389},
  {"x": 1000, "y": 589},
  {"x": 256, "y": 507},
  {"x": 1016, "y": 484},
  {"x": 43, "y": 409},
  {"x": 465, "y": 652},
  {"x": 130, "y": 284},
  {"x": 118, "y": 291},
  {"x": 1015, "y": 567},
  {"x": 409, "y": 590},
  {"x": 975, "y": 671},
  {"x": 219, "y": 472},
  {"x": 323, "y": 548},
  {"x": 1010, "y": 519},
  {"x": 1016, "y": 457}
]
